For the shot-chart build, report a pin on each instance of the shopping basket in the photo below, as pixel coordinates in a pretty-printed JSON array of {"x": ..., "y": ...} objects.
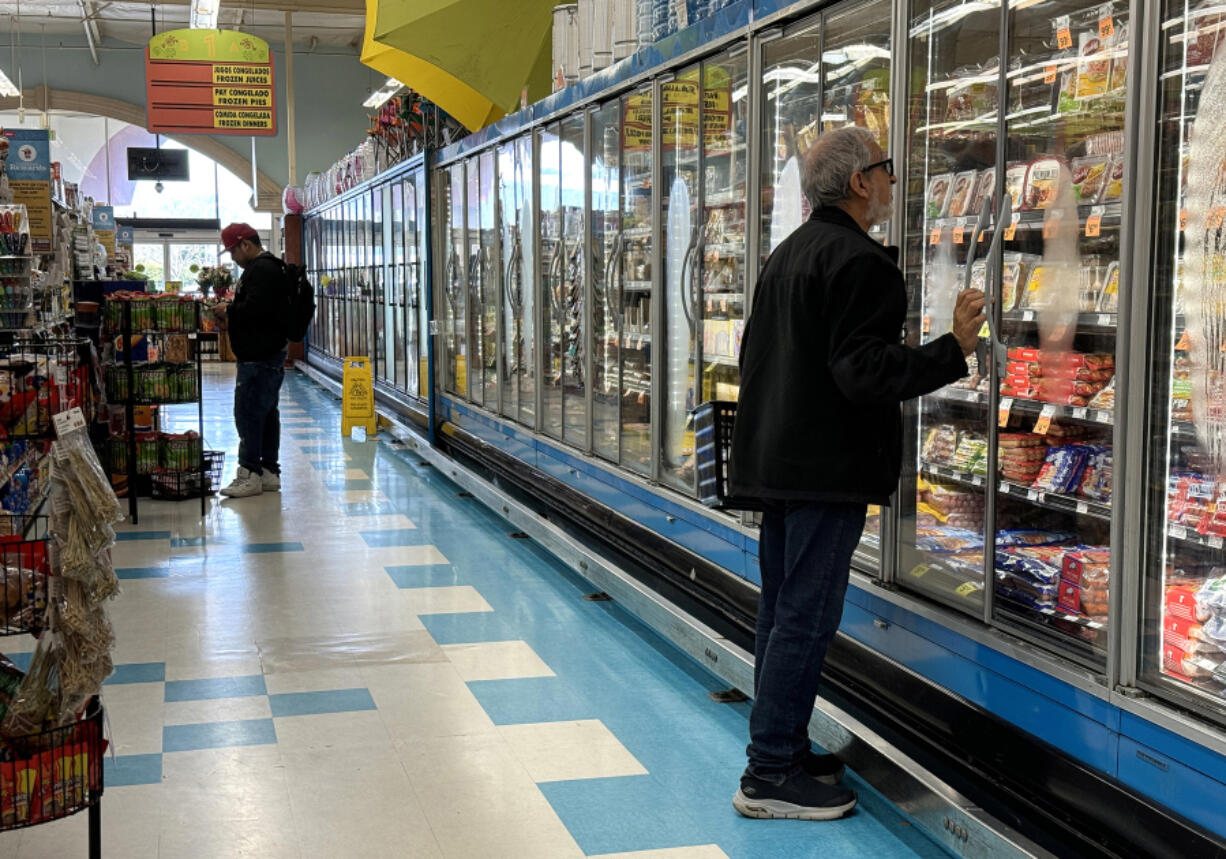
[{"x": 713, "y": 422}]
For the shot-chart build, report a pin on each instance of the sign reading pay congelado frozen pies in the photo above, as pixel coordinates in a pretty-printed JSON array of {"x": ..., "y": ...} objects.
[{"x": 210, "y": 82}]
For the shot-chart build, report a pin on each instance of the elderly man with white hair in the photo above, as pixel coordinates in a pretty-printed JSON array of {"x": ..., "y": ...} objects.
[{"x": 818, "y": 438}]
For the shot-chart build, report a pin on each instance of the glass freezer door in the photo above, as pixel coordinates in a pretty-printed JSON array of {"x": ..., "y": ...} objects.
[
  {"x": 452, "y": 283},
  {"x": 634, "y": 280},
  {"x": 551, "y": 272},
  {"x": 1183, "y": 646},
  {"x": 606, "y": 310},
  {"x": 510, "y": 212},
  {"x": 490, "y": 281},
  {"x": 473, "y": 267},
  {"x": 577, "y": 264}
]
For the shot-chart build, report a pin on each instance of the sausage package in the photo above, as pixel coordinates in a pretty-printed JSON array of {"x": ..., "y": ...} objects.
[
  {"x": 1114, "y": 189},
  {"x": 985, "y": 189}
]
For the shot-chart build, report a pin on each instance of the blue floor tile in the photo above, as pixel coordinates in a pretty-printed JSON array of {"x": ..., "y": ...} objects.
[
  {"x": 470, "y": 627},
  {"x": 216, "y": 687},
  {"x": 127, "y": 536},
  {"x": 183, "y": 542},
  {"x": 138, "y": 672},
  {"x": 620, "y": 815},
  {"x": 316, "y": 703},
  {"x": 218, "y": 735},
  {"x": 534, "y": 699},
  {"x": 394, "y": 537},
  {"x": 142, "y": 572},
  {"x": 269, "y": 548},
  {"x": 368, "y": 508},
  {"x": 129, "y": 770},
  {"x": 425, "y": 576}
]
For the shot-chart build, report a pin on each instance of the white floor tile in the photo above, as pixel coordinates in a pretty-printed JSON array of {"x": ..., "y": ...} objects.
[
  {"x": 313, "y": 681},
  {"x": 450, "y": 600},
  {"x": 356, "y": 474},
  {"x": 216, "y": 710},
  {"x": 324, "y": 731},
  {"x": 496, "y": 660},
  {"x": 562, "y": 751}
]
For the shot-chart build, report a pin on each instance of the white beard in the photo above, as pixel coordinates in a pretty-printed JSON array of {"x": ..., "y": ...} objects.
[{"x": 878, "y": 212}]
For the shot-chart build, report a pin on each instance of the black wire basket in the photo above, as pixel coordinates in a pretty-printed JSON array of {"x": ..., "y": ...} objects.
[
  {"x": 53, "y": 773},
  {"x": 713, "y": 422},
  {"x": 25, "y": 570},
  {"x": 181, "y": 485}
]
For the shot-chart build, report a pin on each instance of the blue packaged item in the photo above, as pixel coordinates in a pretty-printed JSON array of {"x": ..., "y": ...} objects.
[{"x": 1032, "y": 537}]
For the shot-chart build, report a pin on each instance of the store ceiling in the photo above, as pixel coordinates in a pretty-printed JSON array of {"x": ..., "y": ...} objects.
[{"x": 317, "y": 23}]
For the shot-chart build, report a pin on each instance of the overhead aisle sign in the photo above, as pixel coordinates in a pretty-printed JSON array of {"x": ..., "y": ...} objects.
[
  {"x": 29, "y": 173},
  {"x": 210, "y": 82}
]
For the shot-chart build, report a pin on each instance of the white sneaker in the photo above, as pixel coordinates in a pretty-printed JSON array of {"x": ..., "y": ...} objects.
[
  {"x": 245, "y": 485},
  {"x": 270, "y": 482}
]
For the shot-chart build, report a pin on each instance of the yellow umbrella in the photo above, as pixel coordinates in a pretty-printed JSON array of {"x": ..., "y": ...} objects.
[
  {"x": 473, "y": 110},
  {"x": 496, "y": 47}
]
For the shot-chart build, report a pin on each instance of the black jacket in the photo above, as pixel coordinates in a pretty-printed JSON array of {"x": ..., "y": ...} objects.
[
  {"x": 823, "y": 370},
  {"x": 257, "y": 315}
]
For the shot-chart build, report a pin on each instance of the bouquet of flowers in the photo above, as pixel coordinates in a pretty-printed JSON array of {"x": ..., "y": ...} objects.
[{"x": 215, "y": 278}]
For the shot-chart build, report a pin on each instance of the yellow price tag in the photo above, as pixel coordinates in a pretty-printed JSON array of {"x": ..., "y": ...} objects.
[
  {"x": 1043, "y": 424},
  {"x": 967, "y": 588},
  {"x": 1064, "y": 35},
  {"x": 1050, "y": 74},
  {"x": 1011, "y": 230},
  {"x": 1215, "y": 218},
  {"x": 1106, "y": 26},
  {"x": 920, "y": 570},
  {"x": 1094, "y": 223}
]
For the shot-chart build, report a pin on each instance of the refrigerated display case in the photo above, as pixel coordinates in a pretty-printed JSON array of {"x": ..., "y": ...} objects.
[
  {"x": 453, "y": 282},
  {"x": 515, "y": 221},
  {"x": 1184, "y": 616},
  {"x": 551, "y": 252},
  {"x": 634, "y": 280},
  {"x": 576, "y": 274},
  {"x": 1024, "y": 444},
  {"x": 607, "y": 319}
]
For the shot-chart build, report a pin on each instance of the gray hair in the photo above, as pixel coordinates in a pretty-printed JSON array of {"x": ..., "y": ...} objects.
[{"x": 832, "y": 161}]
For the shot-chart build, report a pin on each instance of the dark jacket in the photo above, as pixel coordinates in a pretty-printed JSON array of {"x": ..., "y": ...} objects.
[
  {"x": 823, "y": 370},
  {"x": 257, "y": 315}
]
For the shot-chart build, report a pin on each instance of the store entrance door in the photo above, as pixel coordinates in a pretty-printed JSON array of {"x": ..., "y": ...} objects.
[{"x": 169, "y": 260}]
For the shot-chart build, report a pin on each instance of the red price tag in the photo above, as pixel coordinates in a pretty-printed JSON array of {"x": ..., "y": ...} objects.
[
  {"x": 958, "y": 233},
  {"x": 1106, "y": 26},
  {"x": 1011, "y": 230},
  {"x": 1094, "y": 223},
  {"x": 934, "y": 238},
  {"x": 1050, "y": 75}
]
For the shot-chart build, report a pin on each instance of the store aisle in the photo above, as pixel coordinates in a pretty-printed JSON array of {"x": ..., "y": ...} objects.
[{"x": 368, "y": 664}]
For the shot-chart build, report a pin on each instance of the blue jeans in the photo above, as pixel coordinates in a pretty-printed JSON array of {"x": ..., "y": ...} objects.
[
  {"x": 805, "y": 550},
  {"x": 256, "y": 393}
]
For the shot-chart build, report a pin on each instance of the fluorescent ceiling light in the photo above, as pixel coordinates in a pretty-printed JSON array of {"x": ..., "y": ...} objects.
[
  {"x": 6, "y": 87},
  {"x": 204, "y": 14},
  {"x": 383, "y": 93}
]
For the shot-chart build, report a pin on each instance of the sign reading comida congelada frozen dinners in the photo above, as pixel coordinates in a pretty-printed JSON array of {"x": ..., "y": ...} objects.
[
  {"x": 104, "y": 229},
  {"x": 210, "y": 82},
  {"x": 29, "y": 172}
]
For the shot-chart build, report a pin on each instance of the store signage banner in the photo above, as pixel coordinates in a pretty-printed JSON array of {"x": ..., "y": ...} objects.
[
  {"x": 680, "y": 114},
  {"x": 29, "y": 172},
  {"x": 104, "y": 229},
  {"x": 210, "y": 82},
  {"x": 125, "y": 236}
]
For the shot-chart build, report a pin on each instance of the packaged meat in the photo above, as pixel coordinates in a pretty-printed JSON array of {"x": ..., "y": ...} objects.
[
  {"x": 1031, "y": 567},
  {"x": 1187, "y": 635},
  {"x": 963, "y": 193},
  {"x": 1009, "y": 440},
  {"x": 1090, "y": 176},
  {"x": 1013, "y": 276},
  {"x": 1031, "y": 537},
  {"x": 970, "y": 99},
  {"x": 1026, "y": 592},
  {"x": 1211, "y": 597},
  {"x": 947, "y": 541},
  {"x": 937, "y": 198},
  {"x": 1114, "y": 189},
  {"x": 1181, "y": 603},
  {"x": 1096, "y": 479},
  {"x": 1086, "y": 566},
  {"x": 1105, "y": 399},
  {"x": 1093, "y": 66},
  {"x": 1015, "y": 183},
  {"x": 1119, "y": 58},
  {"x": 1061, "y": 472},
  {"x": 940, "y": 444},
  {"x": 1109, "y": 301},
  {"x": 1069, "y": 597},
  {"x": 1055, "y": 388},
  {"x": 1032, "y": 296},
  {"x": 1042, "y": 183}
]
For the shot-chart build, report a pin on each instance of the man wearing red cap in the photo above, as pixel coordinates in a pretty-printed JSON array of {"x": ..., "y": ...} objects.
[{"x": 256, "y": 320}]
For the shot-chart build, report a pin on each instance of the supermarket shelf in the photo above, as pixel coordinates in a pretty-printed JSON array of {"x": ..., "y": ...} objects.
[
  {"x": 721, "y": 360},
  {"x": 960, "y": 395},
  {"x": 1036, "y": 497},
  {"x": 731, "y": 248},
  {"x": 1051, "y": 613},
  {"x": 723, "y": 296},
  {"x": 1205, "y": 541},
  {"x": 1081, "y": 414},
  {"x": 1028, "y": 219},
  {"x": 1084, "y": 320}
]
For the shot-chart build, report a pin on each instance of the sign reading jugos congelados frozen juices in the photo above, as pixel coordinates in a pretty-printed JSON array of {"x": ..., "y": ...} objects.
[
  {"x": 210, "y": 82},
  {"x": 29, "y": 171}
]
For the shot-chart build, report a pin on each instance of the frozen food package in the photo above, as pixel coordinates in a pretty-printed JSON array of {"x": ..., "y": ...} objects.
[
  {"x": 1109, "y": 301},
  {"x": 1119, "y": 57},
  {"x": 1091, "y": 282},
  {"x": 971, "y": 97},
  {"x": 1013, "y": 276},
  {"x": 1061, "y": 473},
  {"x": 937, "y": 197},
  {"x": 1090, "y": 176},
  {"x": 1032, "y": 537},
  {"x": 1042, "y": 183},
  {"x": 985, "y": 189},
  {"x": 1032, "y": 297},
  {"x": 1105, "y": 399},
  {"x": 1036, "y": 567},
  {"x": 979, "y": 274},
  {"x": 1015, "y": 183},
  {"x": 963, "y": 193},
  {"x": 1093, "y": 65},
  {"x": 1114, "y": 189},
  {"x": 1024, "y": 591}
]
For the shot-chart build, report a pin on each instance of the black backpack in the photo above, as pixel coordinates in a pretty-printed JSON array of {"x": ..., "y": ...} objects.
[{"x": 301, "y": 300}]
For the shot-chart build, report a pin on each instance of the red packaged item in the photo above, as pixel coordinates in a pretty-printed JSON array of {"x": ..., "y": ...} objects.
[
  {"x": 1085, "y": 563},
  {"x": 1189, "y": 637},
  {"x": 1023, "y": 368},
  {"x": 1069, "y": 597},
  {"x": 1181, "y": 604},
  {"x": 1173, "y": 659},
  {"x": 1020, "y": 353}
]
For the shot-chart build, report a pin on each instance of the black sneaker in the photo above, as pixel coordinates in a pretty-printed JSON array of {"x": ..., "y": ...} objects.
[
  {"x": 825, "y": 768},
  {"x": 799, "y": 798}
]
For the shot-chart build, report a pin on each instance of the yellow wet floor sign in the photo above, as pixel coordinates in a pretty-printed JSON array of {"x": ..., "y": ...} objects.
[{"x": 359, "y": 396}]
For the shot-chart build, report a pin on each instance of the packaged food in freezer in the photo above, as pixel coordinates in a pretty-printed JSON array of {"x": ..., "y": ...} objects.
[
  {"x": 1109, "y": 301},
  {"x": 1015, "y": 183},
  {"x": 1119, "y": 57},
  {"x": 1090, "y": 176},
  {"x": 1204, "y": 38},
  {"x": 974, "y": 96},
  {"x": 1014, "y": 274},
  {"x": 1092, "y": 281},
  {"x": 1114, "y": 188},
  {"x": 1093, "y": 65},
  {"x": 1181, "y": 603},
  {"x": 1042, "y": 183},
  {"x": 1105, "y": 399},
  {"x": 963, "y": 193},
  {"x": 1032, "y": 297},
  {"x": 937, "y": 198},
  {"x": 985, "y": 189}
]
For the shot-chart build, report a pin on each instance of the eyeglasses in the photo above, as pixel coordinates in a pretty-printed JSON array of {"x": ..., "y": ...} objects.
[{"x": 887, "y": 163}]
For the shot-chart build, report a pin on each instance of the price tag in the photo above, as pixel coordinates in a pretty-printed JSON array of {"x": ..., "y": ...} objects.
[
  {"x": 1032, "y": 495},
  {"x": 927, "y": 324},
  {"x": 1215, "y": 542},
  {"x": 1183, "y": 220},
  {"x": 1050, "y": 74},
  {"x": 68, "y": 422},
  {"x": 920, "y": 570},
  {"x": 959, "y": 231},
  {"x": 1105, "y": 417},
  {"x": 1006, "y": 406},
  {"x": 1081, "y": 413},
  {"x": 1011, "y": 230},
  {"x": 1043, "y": 424},
  {"x": 1105, "y": 319},
  {"x": 1178, "y": 532},
  {"x": 1093, "y": 624},
  {"x": 986, "y": 331},
  {"x": 1215, "y": 217},
  {"x": 977, "y": 479},
  {"x": 967, "y": 588},
  {"x": 1094, "y": 223},
  {"x": 934, "y": 237},
  {"x": 1106, "y": 23},
  {"x": 1082, "y": 507},
  {"x": 1028, "y": 316},
  {"x": 1064, "y": 36}
]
